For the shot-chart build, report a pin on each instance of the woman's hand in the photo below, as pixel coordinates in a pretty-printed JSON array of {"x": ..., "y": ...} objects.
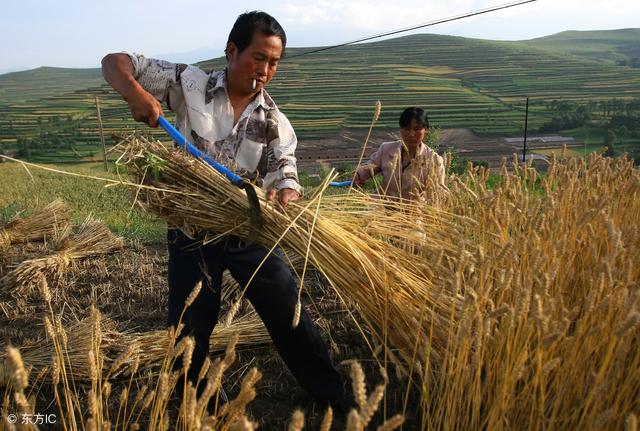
[{"x": 357, "y": 181}]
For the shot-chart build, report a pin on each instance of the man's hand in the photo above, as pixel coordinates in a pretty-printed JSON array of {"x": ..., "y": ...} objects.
[
  {"x": 144, "y": 107},
  {"x": 284, "y": 195}
]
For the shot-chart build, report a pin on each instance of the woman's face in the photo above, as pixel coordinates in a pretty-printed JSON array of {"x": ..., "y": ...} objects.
[{"x": 413, "y": 134}]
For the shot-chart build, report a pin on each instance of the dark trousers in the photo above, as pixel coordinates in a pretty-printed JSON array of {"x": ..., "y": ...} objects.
[{"x": 273, "y": 294}]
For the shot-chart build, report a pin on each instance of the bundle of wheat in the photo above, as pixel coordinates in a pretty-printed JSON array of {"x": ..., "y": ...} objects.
[
  {"x": 360, "y": 244},
  {"x": 46, "y": 223},
  {"x": 122, "y": 353},
  {"x": 79, "y": 407},
  {"x": 92, "y": 239},
  {"x": 77, "y": 340}
]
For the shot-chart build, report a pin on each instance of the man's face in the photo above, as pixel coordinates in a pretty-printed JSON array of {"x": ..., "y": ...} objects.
[{"x": 258, "y": 61}]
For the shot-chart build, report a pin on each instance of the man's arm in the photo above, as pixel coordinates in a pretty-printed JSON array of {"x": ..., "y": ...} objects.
[{"x": 118, "y": 71}]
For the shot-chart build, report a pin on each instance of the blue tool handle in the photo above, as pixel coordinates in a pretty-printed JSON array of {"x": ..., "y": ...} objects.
[
  {"x": 340, "y": 184},
  {"x": 191, "y": 149}
]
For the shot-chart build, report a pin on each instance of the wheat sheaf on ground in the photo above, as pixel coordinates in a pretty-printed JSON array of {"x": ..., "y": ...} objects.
[
  {"x": 125, "y": 351},
  {"x": 93, "y": 238},
  {"x": 46, "y": 223},
  {"x": 100, "y": 378},
  {"x": 142, "y": 401}
]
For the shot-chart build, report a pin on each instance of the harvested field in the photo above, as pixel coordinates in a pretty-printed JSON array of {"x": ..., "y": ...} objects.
[{"x": 130, "y": 288}]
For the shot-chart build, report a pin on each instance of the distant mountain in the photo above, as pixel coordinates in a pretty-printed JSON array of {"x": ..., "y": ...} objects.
[
  {"x": 191, "y": 57},
  {"x": 12, "y": 69},
  {"x": 601, "y": 45}
]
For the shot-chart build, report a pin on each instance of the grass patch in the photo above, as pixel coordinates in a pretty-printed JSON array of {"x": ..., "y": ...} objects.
[{"x": 35, "y": 188}]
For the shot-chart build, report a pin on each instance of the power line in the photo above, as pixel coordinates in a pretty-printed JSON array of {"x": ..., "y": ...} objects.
[{"x": 415, "y": 27}]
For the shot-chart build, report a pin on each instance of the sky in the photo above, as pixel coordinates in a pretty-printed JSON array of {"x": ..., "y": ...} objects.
[{"x": 78, "y": 33}]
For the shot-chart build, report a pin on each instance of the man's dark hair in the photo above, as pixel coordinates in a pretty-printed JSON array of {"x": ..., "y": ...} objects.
[
  {"x": 248, "y": 23},
  {"x": 411, "y": 113}
]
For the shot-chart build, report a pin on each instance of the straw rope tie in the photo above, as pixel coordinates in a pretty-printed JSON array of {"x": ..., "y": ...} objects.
[
  {"x": 63, "y": 260},
  {"x": 5, "y": 239}
]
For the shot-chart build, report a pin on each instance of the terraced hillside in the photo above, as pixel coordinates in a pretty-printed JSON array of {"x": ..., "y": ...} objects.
[{"x": 462, "y": 82}]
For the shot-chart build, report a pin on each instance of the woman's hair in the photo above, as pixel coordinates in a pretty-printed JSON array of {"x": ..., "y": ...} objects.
[
  {"x": 248, "y": 23},
  {"x": 411, "y": 113}
]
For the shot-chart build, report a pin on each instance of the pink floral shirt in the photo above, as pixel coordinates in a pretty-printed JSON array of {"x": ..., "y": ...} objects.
[{"x": 402, "y": 176}]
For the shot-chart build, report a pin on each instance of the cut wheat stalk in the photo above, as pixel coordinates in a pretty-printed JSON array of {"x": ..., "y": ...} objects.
[{"x": 376, "y": 115}]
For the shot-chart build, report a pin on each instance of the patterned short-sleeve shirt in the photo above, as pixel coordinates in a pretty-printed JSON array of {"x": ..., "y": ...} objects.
[{"x": 259, "y": 146}]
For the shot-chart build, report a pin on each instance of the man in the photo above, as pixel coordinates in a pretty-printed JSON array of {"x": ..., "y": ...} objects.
[
  {"x": 230, "y": 116},
  {"x": 408, "y": 166}
]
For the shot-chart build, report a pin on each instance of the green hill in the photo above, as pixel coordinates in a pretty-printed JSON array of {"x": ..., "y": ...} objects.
[
  {"x": 43, "y": 82},
  {"x": 604, "y": 45},
  {"x": 462, "y": 82}
]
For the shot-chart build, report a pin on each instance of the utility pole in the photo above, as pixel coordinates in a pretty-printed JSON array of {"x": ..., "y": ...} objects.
[
  {"x": 526, "y": 120},
  {"x": 585, "y": 145},
  {"x": 104, "y": 150}
]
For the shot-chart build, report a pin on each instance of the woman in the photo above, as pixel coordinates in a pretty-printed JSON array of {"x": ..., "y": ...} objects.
[{"x": 408, "y": 166}]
